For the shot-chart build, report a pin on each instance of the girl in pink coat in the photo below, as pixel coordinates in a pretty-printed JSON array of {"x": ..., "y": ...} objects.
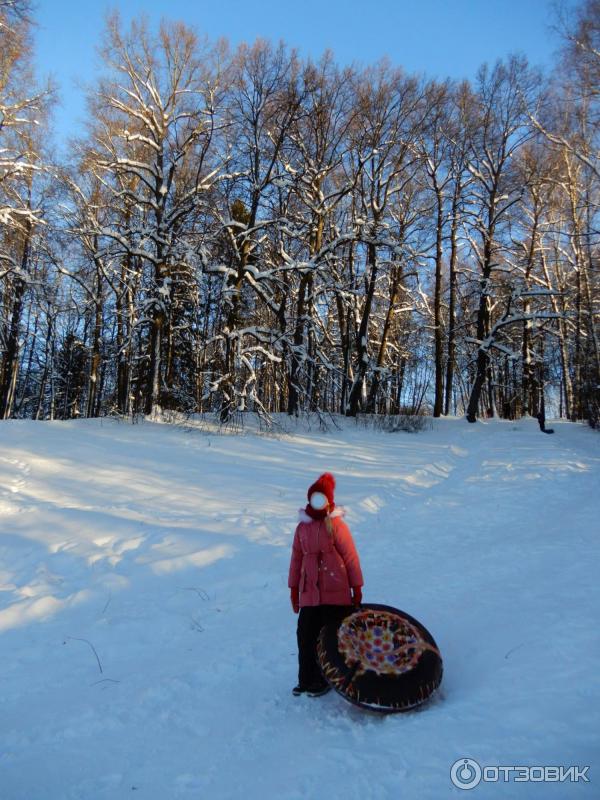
[{"x": 325, "y": 578}]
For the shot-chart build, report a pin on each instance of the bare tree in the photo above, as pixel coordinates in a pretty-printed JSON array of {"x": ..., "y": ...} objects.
[
  {"x": 501, "y": 129},
  {"x": 154, "y": 120},
  {"x": 263, "y": 102},
  {"x": 23, "y": 110},
  {"x": 391, "y": 110},
  {"x": 318, "y": 150}
]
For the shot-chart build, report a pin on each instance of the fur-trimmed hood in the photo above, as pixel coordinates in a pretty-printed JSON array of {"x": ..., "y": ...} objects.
[{"x": 338, "y": 511}]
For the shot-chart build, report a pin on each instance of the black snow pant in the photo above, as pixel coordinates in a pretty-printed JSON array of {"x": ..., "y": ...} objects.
[{"x": 310, "y": 621}]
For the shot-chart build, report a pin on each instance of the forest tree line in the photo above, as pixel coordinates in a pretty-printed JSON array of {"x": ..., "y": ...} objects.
[{"x": 244, "y": 229}]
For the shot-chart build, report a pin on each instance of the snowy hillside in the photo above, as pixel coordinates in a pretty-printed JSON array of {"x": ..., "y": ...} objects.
[{"x": 148, "y": 646}]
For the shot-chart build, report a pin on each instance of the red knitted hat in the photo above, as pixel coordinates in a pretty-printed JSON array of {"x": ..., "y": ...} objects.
[{"x": 326, "y": 485}]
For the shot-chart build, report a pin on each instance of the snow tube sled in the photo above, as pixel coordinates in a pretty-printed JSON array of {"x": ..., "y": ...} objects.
[{"x": 380, "y": 658}]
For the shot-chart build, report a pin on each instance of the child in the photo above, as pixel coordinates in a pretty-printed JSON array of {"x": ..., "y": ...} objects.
[{"x": 325, "y": 578}]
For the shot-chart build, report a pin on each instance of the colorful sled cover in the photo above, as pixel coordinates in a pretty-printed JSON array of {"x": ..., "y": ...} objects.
[{"x": 380, "y": 658}]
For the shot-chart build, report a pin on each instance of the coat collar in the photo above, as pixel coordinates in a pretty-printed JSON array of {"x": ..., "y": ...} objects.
[{"x": 338, "y": 511}]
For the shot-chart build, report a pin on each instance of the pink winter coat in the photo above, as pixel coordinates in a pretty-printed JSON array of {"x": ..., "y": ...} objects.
[{"x": 324, "y": 564}]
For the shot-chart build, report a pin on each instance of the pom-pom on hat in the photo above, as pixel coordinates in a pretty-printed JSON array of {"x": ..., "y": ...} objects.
[{"x": 325, "y": 484}]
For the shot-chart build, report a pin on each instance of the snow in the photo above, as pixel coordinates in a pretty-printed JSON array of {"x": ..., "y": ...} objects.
[{"x": 148, "y": 645}]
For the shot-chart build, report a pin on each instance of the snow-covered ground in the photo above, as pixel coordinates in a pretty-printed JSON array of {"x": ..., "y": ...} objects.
[{"x": 148, "y": 646}]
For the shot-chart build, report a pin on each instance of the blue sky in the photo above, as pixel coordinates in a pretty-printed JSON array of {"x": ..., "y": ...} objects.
[{"x": 440, "y": 38}]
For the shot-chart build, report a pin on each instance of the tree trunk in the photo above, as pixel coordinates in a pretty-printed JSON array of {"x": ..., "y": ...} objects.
[
  {"x": 526, "y": 385},
  {"x": 304, "y": 292},
  {"x": 451, "y": 304},
  {"x": 363, "y": 332},
  {"x": 10, "y": 365},
  {"x": 437, "y": 306},
  {"x": 482, "y": 358},
  {"x": 96, "y": 348},
  {"x": 154, "y": 387},
  {"x": 482, "y": 316},
  {"x": 387, "y": 325}
]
